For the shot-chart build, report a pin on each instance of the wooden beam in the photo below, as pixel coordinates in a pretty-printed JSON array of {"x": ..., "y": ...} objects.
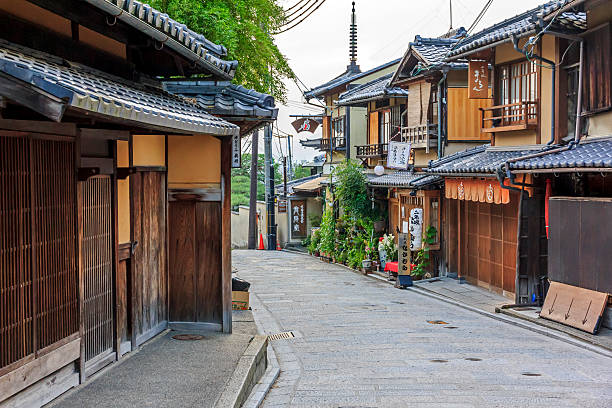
[
  {"x": 64, "y": 129},
  {"x": 106, "y": 134},
  {"x": 226, "y": 238},
  {"x": 24, "y": 94},
  {"x": 37, "y": 369}
]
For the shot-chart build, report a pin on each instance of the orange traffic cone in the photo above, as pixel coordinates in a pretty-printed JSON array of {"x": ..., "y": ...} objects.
[
  {"x": 278, "y": 247},
  {"x": 261, "y": 244}
]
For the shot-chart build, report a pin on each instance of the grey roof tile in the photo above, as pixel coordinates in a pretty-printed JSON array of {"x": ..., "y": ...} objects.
[
  {"x": 483, "y": 159},
  {"x": 404, "y": 178},
  {"x": 346, "y": 77},
  {"x": 376, "y": 89},
  {"x": 225, "y": 98},
  {"x": 98, "y": 92},
  {"x": 522, "y": 24},
  {"x": 171, "y": 33},
  {"x": 593, "y": 153}
]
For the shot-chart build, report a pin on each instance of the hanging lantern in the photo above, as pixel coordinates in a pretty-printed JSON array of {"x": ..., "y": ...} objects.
[{"x": 379, "y": 170}]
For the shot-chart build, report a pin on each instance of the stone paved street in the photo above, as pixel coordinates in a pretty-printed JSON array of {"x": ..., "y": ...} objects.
[{"x": 362, "y": 343}]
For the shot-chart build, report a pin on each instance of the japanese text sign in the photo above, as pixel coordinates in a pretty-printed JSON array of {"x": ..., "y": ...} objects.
[
  {"x": 398, "y": 155},
  {"x": 478, "y": 80}
]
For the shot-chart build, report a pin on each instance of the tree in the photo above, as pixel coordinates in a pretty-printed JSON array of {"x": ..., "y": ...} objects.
[
  {"x": 243, "y": 27},
  {"x": 300, "y": 172},
  {"x": 241, "y": 180}
]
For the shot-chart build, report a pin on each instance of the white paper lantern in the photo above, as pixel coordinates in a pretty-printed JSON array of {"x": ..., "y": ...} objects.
[{"x": 379, "y": 170}]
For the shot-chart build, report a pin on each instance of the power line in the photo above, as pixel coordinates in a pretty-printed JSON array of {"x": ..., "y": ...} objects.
[
  {"x": 299, "y": 22},
  {"x": 304, "y": 5},
  {"x": 295, "y": 5},
  {"x": 297, "y": 17}
]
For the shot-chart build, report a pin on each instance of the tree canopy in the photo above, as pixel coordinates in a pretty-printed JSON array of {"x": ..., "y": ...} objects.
[{"x": 244, "y": 27}]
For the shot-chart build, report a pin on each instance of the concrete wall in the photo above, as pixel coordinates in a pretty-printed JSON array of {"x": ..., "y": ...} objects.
[{"x": 240, "y": 226}]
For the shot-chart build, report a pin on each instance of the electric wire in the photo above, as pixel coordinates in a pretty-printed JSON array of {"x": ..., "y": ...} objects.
[
  {"x": 302, "y": 20},
  {"x": 297, "y": 17},
  {"x": 296, "y": 4},
  {"x": 294, "y": 12}
]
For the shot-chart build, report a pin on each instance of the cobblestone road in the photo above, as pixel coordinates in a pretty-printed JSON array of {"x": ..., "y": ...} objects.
[{"x": 362, "y": 343}]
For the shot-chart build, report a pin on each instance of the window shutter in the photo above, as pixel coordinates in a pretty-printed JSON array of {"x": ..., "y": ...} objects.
[{"x": 597, "y": 69}]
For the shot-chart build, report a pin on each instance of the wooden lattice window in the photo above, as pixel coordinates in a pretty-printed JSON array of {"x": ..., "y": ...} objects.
[{"x": 518, "y": 82}]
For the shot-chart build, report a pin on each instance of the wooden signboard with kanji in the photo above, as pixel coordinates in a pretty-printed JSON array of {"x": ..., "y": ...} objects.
[
  {"x": 298, "y": 218},
  {"x": 478, "y": 80},
  {"x": 403, "y": 255}
]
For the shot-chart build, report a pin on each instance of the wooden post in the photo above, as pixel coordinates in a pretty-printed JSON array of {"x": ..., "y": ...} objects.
[
  {"x": 115, "y": 232},
  {"x": 226, "y": 236},
  {"x": 252, "y": 241}
]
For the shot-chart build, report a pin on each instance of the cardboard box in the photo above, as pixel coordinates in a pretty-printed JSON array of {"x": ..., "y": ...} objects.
[{"x": 240, "y": 300}]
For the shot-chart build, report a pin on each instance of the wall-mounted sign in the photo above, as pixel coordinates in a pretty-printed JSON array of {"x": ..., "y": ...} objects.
[
  {"x": 398, "y": 156},
  {"x": 478, "y": 77},
  {"x": 298, "y": 218},
  {"x": 403, "y": 255},
  {"x": 305, "y": 125},
  {"x": 282, "y": 206},
  {"x": 236, "y": 152},
  {"x": 416, "y": 229}
]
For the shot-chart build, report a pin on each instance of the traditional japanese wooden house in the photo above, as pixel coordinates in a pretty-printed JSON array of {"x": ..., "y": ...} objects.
[
  {"x": 494, "y": 223},
  {"x": 112, "y": 227}
]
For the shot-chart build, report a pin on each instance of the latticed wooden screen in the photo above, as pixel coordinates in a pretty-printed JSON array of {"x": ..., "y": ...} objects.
[
  {"x": 96, "y": 250},
  {"x": 38, "y": 273}
]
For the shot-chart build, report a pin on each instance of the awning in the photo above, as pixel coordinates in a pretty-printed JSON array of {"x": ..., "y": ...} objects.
[
  {"x": 72, "y": 85},
  {"x": 311, "y": 185},
  {"x": 480, "y": 190}
]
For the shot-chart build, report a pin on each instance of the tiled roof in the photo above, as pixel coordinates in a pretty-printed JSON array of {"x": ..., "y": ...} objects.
[
  {"x": 346, "y": 77},
  {"x": 404, "y": 179},
  {"x": 595, "y": 153},
  {"x": 432, "y": 50},
  {"x": 191, "y": 45},
  {"x": 483, "y": 159},
  {"x": 376, "y": 89},
  {"x": 94, "y": 91},
  {"x": 521, "y": 25},
  {"x": 225, "y": 98}
]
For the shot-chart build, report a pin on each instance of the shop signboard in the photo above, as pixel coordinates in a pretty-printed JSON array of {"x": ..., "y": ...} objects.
[
  {"x": 403, "y": 255},
  {"x": 298, "y": 218}
]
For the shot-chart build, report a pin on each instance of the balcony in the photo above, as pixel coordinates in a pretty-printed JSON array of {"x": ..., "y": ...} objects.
[
  {"x": 337, "y": 143},
  {"x": 420, "y": 136},
  {"x": 372, "y": 151},
  {"x": 506, "y": 118}
]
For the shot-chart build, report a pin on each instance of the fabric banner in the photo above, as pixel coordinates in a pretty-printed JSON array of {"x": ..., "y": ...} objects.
[{"x": 484, "y": 191}]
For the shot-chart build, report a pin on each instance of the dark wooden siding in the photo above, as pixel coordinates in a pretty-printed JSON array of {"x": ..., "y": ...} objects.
[
  {"x": 97, "y": 266},
  {"x": 580, "y": 233},
  {"x": 148, "y": 264},
  {"x": 195, "y": 262},
  {"x": 39, "y": 281},
  {"x": 597, "y": 86}
]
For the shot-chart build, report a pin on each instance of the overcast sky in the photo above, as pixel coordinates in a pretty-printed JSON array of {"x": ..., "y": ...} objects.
[{"x": 317, "y": 49}]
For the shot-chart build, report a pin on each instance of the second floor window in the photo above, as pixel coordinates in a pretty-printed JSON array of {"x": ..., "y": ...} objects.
[
  {"x": 338, "y": 127},
  {"x": 384, "y": 126},
  {"x": 518, "y": 82}
]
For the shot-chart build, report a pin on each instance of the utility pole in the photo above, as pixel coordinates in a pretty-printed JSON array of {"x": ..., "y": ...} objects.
[
  {"x": 285, "y": 177},
  {"x": 252, "y": 243},
  {"x": 269, "y": 172},
  {"x": 291, "y": 175},
  {"x": 450, "y": 5}
]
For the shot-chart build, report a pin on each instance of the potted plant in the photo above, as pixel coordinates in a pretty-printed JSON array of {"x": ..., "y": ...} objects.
[{"x": 421, "y": 260}]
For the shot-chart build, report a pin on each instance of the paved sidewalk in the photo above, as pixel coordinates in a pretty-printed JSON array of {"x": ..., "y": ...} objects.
[
  {"x": 168, "y": 373},
  {"x": 362, "y": 343}
]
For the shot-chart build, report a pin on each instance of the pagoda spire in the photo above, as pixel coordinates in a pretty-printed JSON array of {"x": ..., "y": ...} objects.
[{"x": 353, "y": 42}]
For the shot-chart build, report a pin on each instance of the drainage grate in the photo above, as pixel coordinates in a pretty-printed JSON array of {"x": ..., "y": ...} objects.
[
  {"x": 436, "y": 322},
  {"x": 188, "y": 337},
  {"x": 281, "y": 336}
]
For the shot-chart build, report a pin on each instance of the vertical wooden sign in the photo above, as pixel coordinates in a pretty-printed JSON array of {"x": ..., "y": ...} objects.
[
  {"x": 403, "y": 255},
  {"x": 478, "y": 80},
  {"x": 236, "y": 152},
  {"x": 298, "y": 218}
]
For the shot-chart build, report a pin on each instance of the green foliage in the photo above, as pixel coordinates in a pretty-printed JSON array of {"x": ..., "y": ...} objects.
[
  {"x": 241, "y": 180},
  {"x": 388, "y": 245},
  {"x": 300, "y": 172},
  {"x": 421, "y": 261},
  {"x": 328, "y": 233},
  {"x": 315, "y": 240},
  {"x": 244, "y": 27},
  {"x": 315, "y": 220},
  {"x": 351, "y": 190}
]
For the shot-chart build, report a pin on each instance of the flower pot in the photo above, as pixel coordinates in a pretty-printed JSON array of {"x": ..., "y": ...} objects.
[{"x": 366, "y": 263}]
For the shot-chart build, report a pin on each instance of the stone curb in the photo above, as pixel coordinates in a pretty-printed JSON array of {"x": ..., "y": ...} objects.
[
  {"x": 249, "y": 369},
  {"x": 263, "y": 386},
  {"x": 524, "y": 323}
]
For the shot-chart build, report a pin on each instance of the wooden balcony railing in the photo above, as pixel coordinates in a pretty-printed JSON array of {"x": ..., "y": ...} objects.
[
  {"x": 513, "y": 116},
  {"x": 338, "y": 143},
  {"x": 372, "y": 151},
  {"x": 420, "y": 135}
]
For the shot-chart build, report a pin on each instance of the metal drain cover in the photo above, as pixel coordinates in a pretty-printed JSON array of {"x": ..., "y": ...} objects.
[
  {"x": 281, "y": 336},
  {"x": 188, "y": 337},
  {"x": 436, "y": 322}
]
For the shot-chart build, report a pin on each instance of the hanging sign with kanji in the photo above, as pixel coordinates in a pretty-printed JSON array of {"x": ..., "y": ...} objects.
[
  {"x": 416, "y": 229},
  {"x": 398, "y": 155},
  {"x": 236, "y": 152},
  {"x": 298, "y": 218},
  {"x": 478, "y": 80}
]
